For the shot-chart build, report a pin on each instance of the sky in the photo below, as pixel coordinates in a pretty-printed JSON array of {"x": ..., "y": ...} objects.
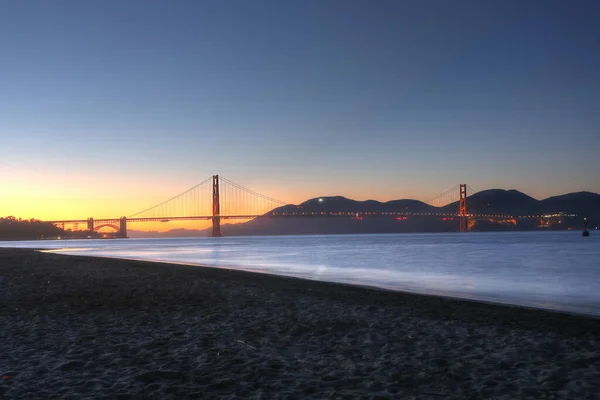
[{"x": 108, "y": 107}]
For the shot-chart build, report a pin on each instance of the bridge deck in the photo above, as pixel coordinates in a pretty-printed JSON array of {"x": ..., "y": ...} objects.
[{"x": 288, "y": 215}]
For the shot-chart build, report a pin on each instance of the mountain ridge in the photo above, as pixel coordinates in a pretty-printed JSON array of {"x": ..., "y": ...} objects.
[
  {"x": 509, "y": 201},
  {"x": 492, "y": 201}
]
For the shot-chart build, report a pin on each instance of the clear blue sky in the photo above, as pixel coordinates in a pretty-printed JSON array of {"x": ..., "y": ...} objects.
[{"x": 368, "y": 99}]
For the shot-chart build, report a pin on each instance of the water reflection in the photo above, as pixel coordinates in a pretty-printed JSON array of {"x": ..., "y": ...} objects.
[{"x": 557, "y": 270}]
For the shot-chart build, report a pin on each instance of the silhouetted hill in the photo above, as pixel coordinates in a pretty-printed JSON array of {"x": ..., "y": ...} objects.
[
  {"x": 12, "y": 228},
  {"x": 585, "y": 203},
  {"x": 499, "y": 201},
  {"x": 336, "y": 225},
  {"x": 407, "y": 205},
  {"x": 494, "y": 201},
  {"x": 343, "y": 204}
]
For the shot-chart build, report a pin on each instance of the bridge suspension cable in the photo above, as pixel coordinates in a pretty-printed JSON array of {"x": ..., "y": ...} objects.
[
  {"x": 197, "y": 201},
  {"x": 450, "y": 196},
  {"x": 193, "y": 202},
  {"x": 240, "y": 201},
  {"x": 443, "y": 199}
]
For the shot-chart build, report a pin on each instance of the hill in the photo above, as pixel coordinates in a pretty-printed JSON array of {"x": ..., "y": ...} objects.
[
  {"x": 584, "y": 203},
  {"x": 343, "y": 204},
  {"x": 12, "y": 228},
  {"x": 493, "y": 201},
  {"x": 499, "y": 201}
]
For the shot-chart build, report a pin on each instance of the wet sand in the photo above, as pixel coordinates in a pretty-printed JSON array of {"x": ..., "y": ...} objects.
[{"x": 78, "y": 327}]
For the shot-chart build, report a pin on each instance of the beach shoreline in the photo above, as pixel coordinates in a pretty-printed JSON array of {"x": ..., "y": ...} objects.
[
  {"x": 405, "y": 292},
  {"x": 76, "y": 326}
]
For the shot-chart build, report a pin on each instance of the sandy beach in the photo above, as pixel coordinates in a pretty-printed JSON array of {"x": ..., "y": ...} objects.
[{"x": 78, "y": 327}]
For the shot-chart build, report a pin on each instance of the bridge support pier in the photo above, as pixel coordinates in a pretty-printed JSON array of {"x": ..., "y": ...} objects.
[
  {"x": 123, "y": 227},
  {"x": 462, "y": 208},
  {"x": 216, "y": 208},
  {"x": 216, "y": 231},
  {"x": 464, "y": 224},
  {"x": 90, "y": 225}
]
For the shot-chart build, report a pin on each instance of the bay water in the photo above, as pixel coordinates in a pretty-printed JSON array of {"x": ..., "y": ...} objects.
[{"x": 550, "y": 270}]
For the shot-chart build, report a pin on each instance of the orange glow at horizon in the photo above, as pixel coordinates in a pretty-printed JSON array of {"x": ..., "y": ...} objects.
[{"x": 60, "y": 194}]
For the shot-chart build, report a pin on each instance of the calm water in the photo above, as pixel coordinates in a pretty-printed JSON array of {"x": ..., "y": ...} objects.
[{"x": 555, "y": 270}]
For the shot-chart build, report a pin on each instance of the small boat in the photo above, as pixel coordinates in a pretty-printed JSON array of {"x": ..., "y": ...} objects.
[{"x": 585, "y": 232}]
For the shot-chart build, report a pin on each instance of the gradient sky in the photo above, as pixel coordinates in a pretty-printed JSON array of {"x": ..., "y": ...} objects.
[{"x": 107, "y": 107}]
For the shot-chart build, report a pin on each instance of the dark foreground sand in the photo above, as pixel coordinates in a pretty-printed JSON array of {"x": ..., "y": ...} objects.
[{"x": 76, "y": 327}]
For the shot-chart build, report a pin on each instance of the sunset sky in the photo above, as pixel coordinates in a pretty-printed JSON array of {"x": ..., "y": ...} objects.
[{"x": 107, "y": 107}]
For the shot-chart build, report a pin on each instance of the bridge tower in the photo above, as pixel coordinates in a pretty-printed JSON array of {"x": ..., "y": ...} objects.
[
  {"x": 123, "y": 227},
  {"x": 90, "y": 225},
  {"x": 462, "y": 208},
  {"x": 216, "y": 208}
]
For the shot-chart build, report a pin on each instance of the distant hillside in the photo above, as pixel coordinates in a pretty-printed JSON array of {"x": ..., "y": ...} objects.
[
  {"x": 12, "y": 228},
  {"x": 337, "y": 225},
  {"x": 343, "y": 204},
  {"x": 585, "y": 203},
  {"x": 499, "y": 201},
  {"x": 493, "y": 201}
]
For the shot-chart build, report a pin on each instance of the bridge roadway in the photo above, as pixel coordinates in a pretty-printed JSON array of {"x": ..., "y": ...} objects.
[
  {"x": 253, "y": 205},
  {"x": 280, "y": 215}
]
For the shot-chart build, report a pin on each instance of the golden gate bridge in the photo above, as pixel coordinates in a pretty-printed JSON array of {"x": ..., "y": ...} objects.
[{"x": 217, "y": 198}]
